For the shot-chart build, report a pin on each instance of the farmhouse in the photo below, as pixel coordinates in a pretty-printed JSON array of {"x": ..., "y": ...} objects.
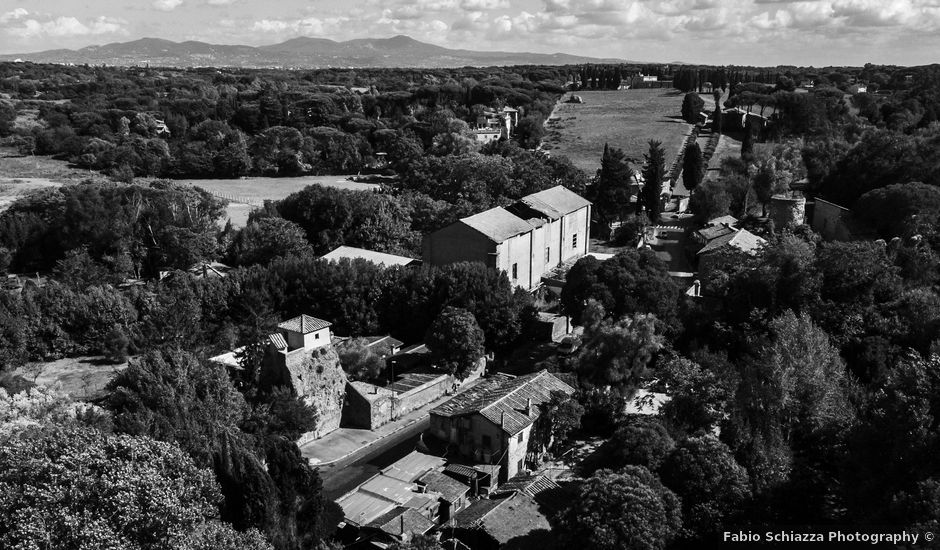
[
  {"x": 525, "y": 240},
  {"x": 492, "y": 422}
]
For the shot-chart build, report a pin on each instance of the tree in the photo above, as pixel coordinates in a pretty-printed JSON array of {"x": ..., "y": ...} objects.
[
  {"x": 266, "y": 238},
  {"x": 763, "y": 184},
  {"x": 267, "y": 484},
  {"x": 455, "y": 341},
  {"x": 529, "y": 132},
  {"x": 693, "y": 167},
  {"x": 611, "y": 190},
  {"x": 713, "y": 487},
  {"x": 710, "y": 200},
  {"x": 418, "y": 542},
  {"x": 692, "y": 105},
  {"x": 633, "y": 281},
  {"x": 654, "y": 174},
  {"x": 616, "y": 510},
  {"x": 560, "y": 415},
  {"x": 615, "y": 355},
  {"x": 641, "y": 441},
  {"x": 901, "y": 209},
  {"x": 359, "y": 361},
  {"x": 74, "y": 487},
  {"x": 700, "y": 395}
]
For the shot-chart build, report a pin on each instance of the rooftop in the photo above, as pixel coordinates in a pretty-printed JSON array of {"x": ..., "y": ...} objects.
[
  {"x": 743, "y": 240},
  {"x": 502, "y": 399},
  {"x": 370, "y": 392},
  {"x": 304, "y": 324},
  {"x": 413, "y": 380},
  {"x": 515, "y": 516},
  {"x": 378, "y": 258},
  {"x": 529, "y": 484},
  {"x": 401, "y": 520},
  {"x": 498, "y": 224},
  {"x": 450, "y": 489},
  {"x": 413, "y": 466},
  {"x": 555, "y": 202},
  {"x": 730, "y": 221}
]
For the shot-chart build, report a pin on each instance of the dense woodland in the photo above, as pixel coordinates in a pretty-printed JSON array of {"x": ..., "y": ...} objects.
[{"x": 804, "y": 387}]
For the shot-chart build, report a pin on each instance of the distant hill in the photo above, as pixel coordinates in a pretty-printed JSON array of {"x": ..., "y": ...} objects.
[{"x": 303, "y": 52}]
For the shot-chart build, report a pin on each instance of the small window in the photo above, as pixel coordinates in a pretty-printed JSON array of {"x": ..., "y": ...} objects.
[
  {"x": 515, "y": 271},
  {"x": 521, "y": 465},
  {"x": 574, "y": 241},
  {"x": 548, "y": 254},
  {"x": 519, "y": 439},
  {"x": 316, "y": 336}
]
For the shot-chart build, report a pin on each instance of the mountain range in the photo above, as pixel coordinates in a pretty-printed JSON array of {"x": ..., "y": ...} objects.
[{"x": 302, "y": 52}]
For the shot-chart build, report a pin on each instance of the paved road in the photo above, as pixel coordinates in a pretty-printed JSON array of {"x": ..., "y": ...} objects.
[{"x": 346, "y": 474}]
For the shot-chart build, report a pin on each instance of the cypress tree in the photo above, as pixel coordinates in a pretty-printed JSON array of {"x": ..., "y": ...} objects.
[{"x": 653, "y": 174}]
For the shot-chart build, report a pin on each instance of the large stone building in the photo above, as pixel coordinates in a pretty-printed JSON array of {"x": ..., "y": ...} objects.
[
  {"x": 525, "y": 240},
  {"x": 492, "y": 422},
  {"x": 300, "y": 356}
]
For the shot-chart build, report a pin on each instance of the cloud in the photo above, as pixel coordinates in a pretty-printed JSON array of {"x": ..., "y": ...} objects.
[
  {"x": 67, "y": 26},
  {"x": 167, "y": 5},
  {"x": 221, "y": 2},
  {"x": 484, "y": 5},
  {"x": 17, "y": 13}
]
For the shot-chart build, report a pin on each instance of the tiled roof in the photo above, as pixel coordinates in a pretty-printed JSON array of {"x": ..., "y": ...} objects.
[
  {"x": 378, "y": 258},
  {"x": 555, "y": 202},
  {"x": 389, "y": 488},
  {"x": 515, "y": 516},
  {"x": 730, "y": 221},
  {"x": 460, "y": 470},
  {"x": 714, "y": 231},
  {"x": 529, "y": 484},
  {"x": 498, "y": 224},
  {"x": 277, "y": 340},
  {"x": 743, "y": 240},
  {"x": 502, "y": 399},
  {"x": 450, "y": 489},
  {"x": 401, "y": 520},
  {"x": 413, "y": 466},
  {"x": 383, "y": 345},
  {"x": 469, "y": 516},
  {"x": 304, "y": 324}
]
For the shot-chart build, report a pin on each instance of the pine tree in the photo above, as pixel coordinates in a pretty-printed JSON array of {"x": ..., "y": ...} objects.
[
  {"x": 612, "y": 191},
  {"x": 653, "y": 174},
  {"x": 693, "y": 166}
]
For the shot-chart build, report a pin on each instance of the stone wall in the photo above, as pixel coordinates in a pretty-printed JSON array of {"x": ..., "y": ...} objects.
[{"x": 315, "y": 376}]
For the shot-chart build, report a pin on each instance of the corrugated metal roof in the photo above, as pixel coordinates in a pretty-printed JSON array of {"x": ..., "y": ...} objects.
[
  {"x": 361, "y": 508},
  {"x": 388, "y": 488},
  {"x": 450, "y": 489},
  {"x": 497, "y": 224},
  {"x": 304, "y": 324},
  {"x": 378, "y": 258},
  {"x": 277, "y": 340},
  {"x": 502, "y": 399},
  {"x": 555, "y": 202},
  {"x": 413, "y": 466}
]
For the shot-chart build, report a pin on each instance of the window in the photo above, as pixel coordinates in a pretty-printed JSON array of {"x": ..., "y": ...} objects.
[
  {"x": 574, "y": 241},
  {"x": 519, "y": 439},
  {"x": 548, "y": 254},
  {"x": 487, "y": 442},
  {"x": 316, "y": 336},
  {"x": 521, "y": 465},
  {"x": 515, "y": 271}
]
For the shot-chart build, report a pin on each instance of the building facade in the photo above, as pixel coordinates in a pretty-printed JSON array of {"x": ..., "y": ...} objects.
[
  {"x": 492, "y": 422},
  {"x": 525, "y": 240}
]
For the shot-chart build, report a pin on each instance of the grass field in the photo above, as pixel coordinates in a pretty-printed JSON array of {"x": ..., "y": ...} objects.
[
  {"x": 20, "y": 175},
  {"x": 81, "y": 377},
  {"x": 627, "y": 119}
]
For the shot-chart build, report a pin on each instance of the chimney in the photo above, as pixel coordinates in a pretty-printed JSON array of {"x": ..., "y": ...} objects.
[
  {"x": 502, "y": 420},
  {"x": 528, "y": 407},
  {"x": 401, "y": 520}
]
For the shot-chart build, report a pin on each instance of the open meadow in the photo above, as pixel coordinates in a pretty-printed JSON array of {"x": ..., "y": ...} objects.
[{"x": 627, "y": 119}]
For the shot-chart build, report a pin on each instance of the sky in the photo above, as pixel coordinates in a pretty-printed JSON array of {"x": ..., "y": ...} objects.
[{"x": 719, "y": 32}]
